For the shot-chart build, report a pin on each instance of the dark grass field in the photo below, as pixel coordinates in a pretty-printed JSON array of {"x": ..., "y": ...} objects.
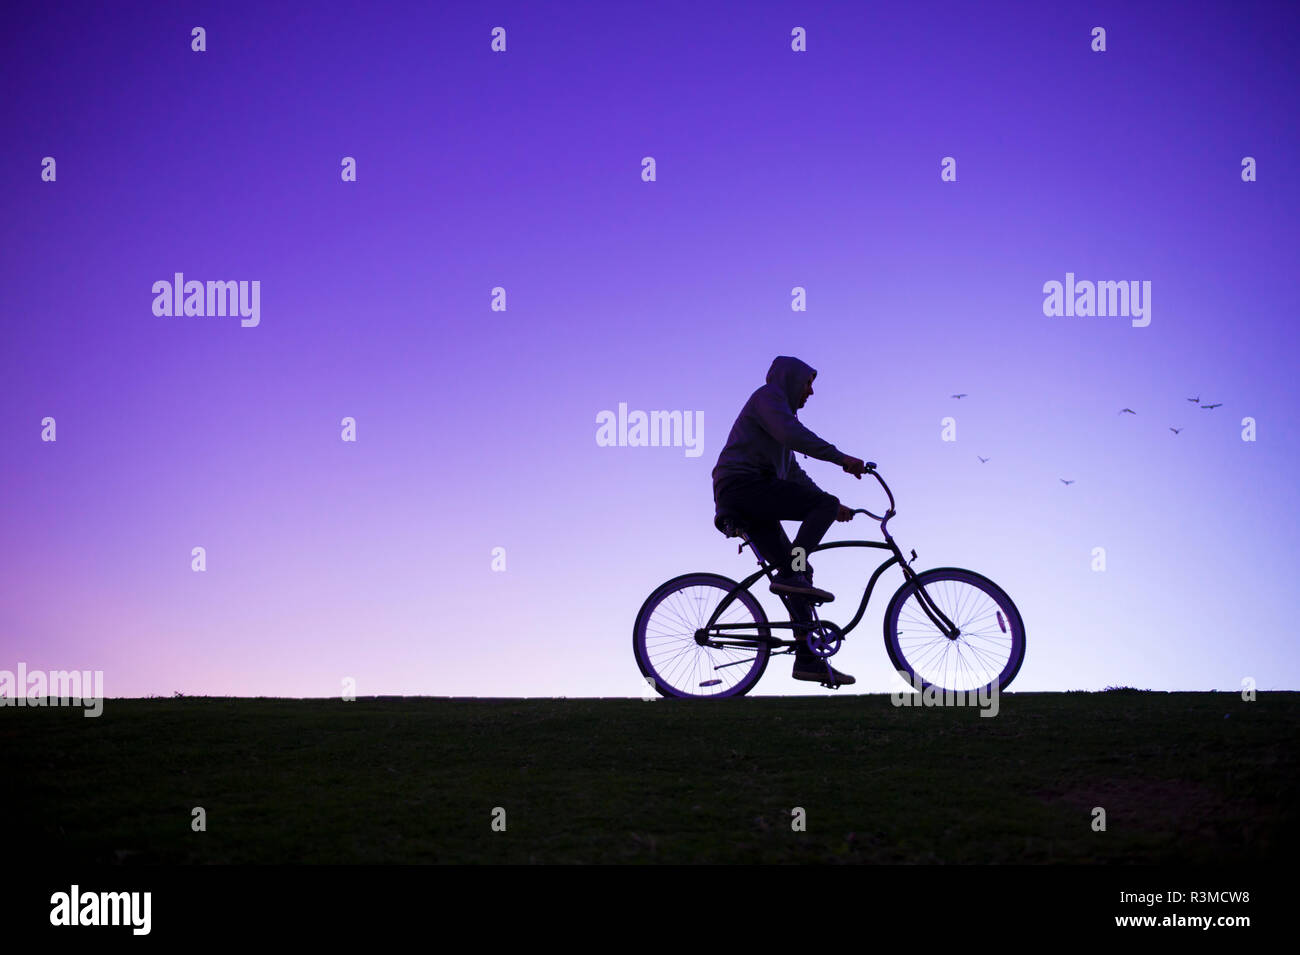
[{"x": 1185, "y": 779}]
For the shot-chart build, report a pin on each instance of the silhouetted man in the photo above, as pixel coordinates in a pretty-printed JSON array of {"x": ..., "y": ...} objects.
[{"x": 758, "y": 483}]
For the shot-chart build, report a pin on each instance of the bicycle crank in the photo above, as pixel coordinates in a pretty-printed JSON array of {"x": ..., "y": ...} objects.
[{"x": 824, "y": 645}]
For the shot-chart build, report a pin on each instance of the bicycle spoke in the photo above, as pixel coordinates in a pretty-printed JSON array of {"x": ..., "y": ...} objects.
[
  {"x": 679, "y": 663},
  {"x": 986, "y": 659},
  {"x": 978, "y": 656}
]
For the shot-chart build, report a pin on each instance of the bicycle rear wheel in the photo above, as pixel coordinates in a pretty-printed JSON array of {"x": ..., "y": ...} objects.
[
  {"x": 663, "y": 639},
  {"x": 987, "y": 652}
]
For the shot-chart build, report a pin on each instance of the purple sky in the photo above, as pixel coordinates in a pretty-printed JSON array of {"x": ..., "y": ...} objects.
[{"x": 476, "y": 428}]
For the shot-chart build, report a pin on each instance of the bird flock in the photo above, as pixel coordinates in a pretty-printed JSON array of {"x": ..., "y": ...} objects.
[{"x": 1196, "y": 401}]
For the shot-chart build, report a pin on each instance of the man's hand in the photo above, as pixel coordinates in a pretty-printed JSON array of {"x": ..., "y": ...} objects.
[
  {"x": 854, "y": 466},
  {"x": 845, "y": 514}
]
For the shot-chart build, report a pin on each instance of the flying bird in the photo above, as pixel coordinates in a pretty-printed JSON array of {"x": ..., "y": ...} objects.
[
  {"x": 962, "y": 395},
  {"x": 1208, "y": 407},
  {"x": 1129, "y": 410},
  {"x": 1064, "y": 481},
  {"x": 1175, "y": 430},
  {"x": 1197, "y": 399},
  {"x": 982, "y": 460}
]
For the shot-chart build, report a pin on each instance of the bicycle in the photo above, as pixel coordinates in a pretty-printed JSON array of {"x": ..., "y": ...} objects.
[{"x": 683, "y": 624}]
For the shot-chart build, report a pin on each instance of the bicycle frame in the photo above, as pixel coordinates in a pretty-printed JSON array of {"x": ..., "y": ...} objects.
[{"x": 711, "y": 631}]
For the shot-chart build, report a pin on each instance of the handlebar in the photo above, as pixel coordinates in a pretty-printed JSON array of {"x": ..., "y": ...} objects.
[{"x": 870, "y": 468}]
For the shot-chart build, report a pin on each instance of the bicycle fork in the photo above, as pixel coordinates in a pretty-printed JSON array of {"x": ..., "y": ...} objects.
[{"x": 937, "y": 616}]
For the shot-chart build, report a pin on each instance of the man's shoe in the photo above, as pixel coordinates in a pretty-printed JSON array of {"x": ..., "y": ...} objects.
[
  {"x": 818, "y": 671},
  {"x": 801, "y": 586}
]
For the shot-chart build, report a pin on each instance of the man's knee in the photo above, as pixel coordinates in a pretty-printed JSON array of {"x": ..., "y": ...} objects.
[{"x": 827, "y": 502}]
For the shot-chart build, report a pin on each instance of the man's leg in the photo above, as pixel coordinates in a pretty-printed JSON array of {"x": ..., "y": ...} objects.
[
  {"x": 761, "y": 506},
  {"x": 801, "y": 611},
  {"x": 768, "y": 538},
  {"x": 816, "y": 523},
  {"x": 772, "y": 544}
]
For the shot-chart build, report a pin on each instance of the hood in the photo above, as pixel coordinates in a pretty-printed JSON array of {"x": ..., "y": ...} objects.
[{"x": 789, "y": 376}]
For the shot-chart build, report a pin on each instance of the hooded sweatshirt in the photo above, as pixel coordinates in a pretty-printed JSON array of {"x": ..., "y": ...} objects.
[{"x": 766, "y": 434}]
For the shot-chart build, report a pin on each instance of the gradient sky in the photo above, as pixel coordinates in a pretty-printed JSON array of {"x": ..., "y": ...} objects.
[{"x": 476, "y": 429}]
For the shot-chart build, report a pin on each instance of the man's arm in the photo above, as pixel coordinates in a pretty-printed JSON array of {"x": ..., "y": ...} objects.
[{"x": 779, "y": 421}]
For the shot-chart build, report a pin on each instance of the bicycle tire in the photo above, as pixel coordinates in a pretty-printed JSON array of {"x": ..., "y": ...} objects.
[
  {"x": 675, "y": 683},
  {"x": 898, "y": 653}
]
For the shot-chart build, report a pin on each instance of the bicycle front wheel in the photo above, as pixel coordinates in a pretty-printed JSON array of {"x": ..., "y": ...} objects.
[
  {"x": 990, "y": 645},
  {"x": 663, "y": 639}
]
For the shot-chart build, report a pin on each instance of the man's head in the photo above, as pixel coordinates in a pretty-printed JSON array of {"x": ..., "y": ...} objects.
[
  {"x": 793, "y": 378},
  {"x": 807, "y": 392}
]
